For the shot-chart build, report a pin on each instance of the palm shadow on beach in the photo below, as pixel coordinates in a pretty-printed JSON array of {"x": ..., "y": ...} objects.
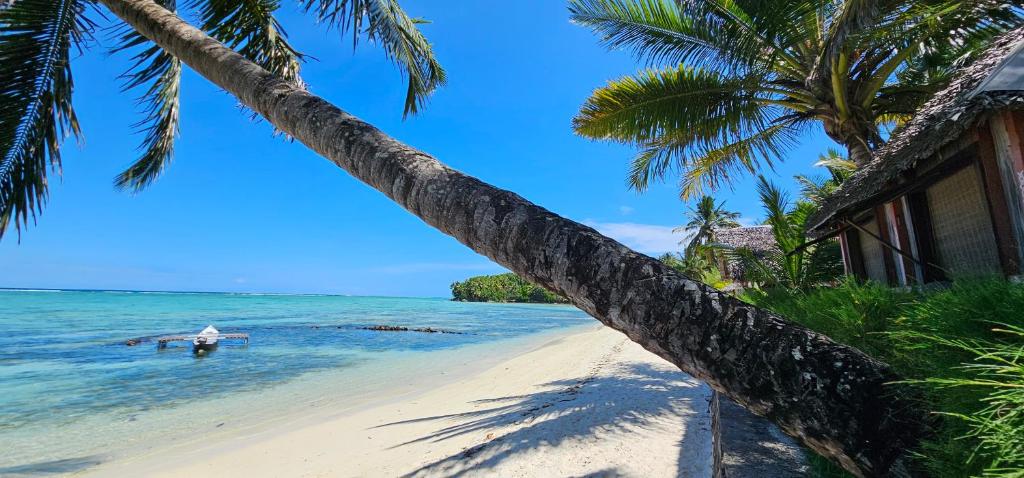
[{"x": 634, "y": 398}]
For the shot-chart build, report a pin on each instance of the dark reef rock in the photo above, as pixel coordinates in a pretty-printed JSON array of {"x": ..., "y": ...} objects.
[{"x": 398, "y": 328}]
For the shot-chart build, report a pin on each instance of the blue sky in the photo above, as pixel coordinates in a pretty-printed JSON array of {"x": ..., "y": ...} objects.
[{"x": 241, "y": 210}]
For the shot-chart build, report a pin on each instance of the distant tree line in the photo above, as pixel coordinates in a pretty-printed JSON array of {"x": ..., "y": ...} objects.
[{"x": 503, "y": 288}]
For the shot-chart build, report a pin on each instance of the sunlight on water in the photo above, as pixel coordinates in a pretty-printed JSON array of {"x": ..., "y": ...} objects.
[{"x": 70, "y": 389}]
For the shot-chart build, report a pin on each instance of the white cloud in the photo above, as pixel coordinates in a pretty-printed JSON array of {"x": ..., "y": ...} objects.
[
  {"x": 646, "y": 238},
  {"x": 626, "y": 210}
]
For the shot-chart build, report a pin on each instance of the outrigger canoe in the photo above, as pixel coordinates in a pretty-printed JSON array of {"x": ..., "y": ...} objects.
[{"x": 206, "y": 340}]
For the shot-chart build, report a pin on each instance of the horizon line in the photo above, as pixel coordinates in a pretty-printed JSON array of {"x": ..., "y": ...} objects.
[{"x": 53, "y": 289}]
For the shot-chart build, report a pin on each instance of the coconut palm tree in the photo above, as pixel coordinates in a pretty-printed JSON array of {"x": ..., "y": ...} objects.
[
  {"x": 838, "y": 401},
  {"x": 704, "y": 218},
  {"x": 733, "y": 83}
]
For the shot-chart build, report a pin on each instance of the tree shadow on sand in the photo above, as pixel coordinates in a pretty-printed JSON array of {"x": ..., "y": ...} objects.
[{"x": 616, "y": 398}]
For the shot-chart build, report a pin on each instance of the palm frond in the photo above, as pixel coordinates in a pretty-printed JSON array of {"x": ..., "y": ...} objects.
[
  {"x": 36, "y": 114},
  {"x": 775, "y": 202},
  {"x": 249, "y": 27},
  {"x": 813, "y": 189},
  {"x": 717, "y": 34},
  {"x": 713, "y": 166},
  {"x": 655, "y": 30},
  {"x": 836, "y": 162},
  {"x": 791, "y": 265},
  {"x": 159, "y": 70},
  {"x": 690, "y": 120},
  {"x": 939, "y": 27},
  {"x": 774, "y": 31},
  {"x": 389, "y": 26},
  {"x": 852, "y": 17},
  {"x": 642, "y": 108},
  {"x": 952, "y": 38}
]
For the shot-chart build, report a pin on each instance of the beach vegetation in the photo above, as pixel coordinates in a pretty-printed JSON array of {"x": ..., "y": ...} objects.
[
  {"x": 815, "y": 189},
  {"x": 507, "y": 287},
  {"x": 700, "y": 258},
  {"x": 666, "y": 312},
  {"x": 704, "y": 218},
  {"x": 731, "y": 86},
  {"x": 962, "y": 346},
  {"x": 795, "y": 263},
  {"x": 697, "y": 266}
]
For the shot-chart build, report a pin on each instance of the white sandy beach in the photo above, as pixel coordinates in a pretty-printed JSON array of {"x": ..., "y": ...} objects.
[{"x": 588, "y": 404}]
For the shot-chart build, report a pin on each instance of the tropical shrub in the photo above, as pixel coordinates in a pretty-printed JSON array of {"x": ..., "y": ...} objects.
[
  {"x": 502, "y": 288},
  {"x": 697, "y": 265},
  {"x": 794, "y": 264},
  {"x": 963, "y": 346}
]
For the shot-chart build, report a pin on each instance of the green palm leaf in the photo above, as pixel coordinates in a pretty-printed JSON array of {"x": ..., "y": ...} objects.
[
  {"x": 389, "y": 26},
  {"x": 855, "y": 66},
  {"x": 891, "y": 26},
  {"x": 36, "y": 37},
  {"x": 162, "y": 73},
  {"x": 701, "y": 123},
  {"x": 704, "y": 33},
  {"x": 249, "y": 27},
  {"x": 710, "y": 167},
  {"x": 645, "y": 107},
  {"x": 654, "y": 29}
]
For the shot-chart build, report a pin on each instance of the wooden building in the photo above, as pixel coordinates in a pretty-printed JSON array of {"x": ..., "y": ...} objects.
[{"x": 943, "y": 198}]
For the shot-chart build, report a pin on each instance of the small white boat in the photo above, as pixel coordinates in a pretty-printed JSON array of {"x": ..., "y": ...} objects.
[{"x": 206, "y": 340}]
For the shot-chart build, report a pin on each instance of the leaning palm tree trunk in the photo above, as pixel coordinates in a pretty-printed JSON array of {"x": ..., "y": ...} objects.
[{"x": 833, "y": 398}]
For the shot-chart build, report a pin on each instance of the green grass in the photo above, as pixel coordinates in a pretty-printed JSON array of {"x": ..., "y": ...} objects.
[{"x": 963, "y": 346}]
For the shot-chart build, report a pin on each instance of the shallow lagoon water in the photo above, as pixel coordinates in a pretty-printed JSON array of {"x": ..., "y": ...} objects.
[{"x": 72, "y": 394}]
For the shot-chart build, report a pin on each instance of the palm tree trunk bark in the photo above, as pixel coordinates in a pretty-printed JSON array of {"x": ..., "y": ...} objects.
[
  {"x": 833, "y": 398},
  {"x": 858, "y": 151}
]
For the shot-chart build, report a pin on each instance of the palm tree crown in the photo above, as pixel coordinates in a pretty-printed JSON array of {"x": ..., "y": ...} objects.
[
  {"x": 38, "y": 36},
  {"x": 733, "y": 83},
  {"x": 704, "y": 218}
]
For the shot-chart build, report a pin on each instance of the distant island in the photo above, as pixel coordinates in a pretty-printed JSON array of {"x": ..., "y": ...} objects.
[{"x": 503, "y": 288}]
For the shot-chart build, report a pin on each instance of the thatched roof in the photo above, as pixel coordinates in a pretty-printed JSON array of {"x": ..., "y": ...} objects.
[
  {"x": 758, "y": 239},
  {"x": 993, "y": 81}
]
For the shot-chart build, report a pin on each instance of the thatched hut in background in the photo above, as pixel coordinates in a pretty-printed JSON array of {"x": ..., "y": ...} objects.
[
  {"x": 943, "y": 198},
  {"x": 757, "y": 239}
]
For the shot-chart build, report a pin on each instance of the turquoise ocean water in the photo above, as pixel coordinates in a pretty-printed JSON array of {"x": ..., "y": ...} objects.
[{"x": 73, "y": 395}]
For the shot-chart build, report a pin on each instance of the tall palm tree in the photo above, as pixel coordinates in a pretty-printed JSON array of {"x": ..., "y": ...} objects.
[
  {"x": 733, "y": 83},
  {"x": 835, "y": 399},
  {"x": 704, "y": 218}
]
